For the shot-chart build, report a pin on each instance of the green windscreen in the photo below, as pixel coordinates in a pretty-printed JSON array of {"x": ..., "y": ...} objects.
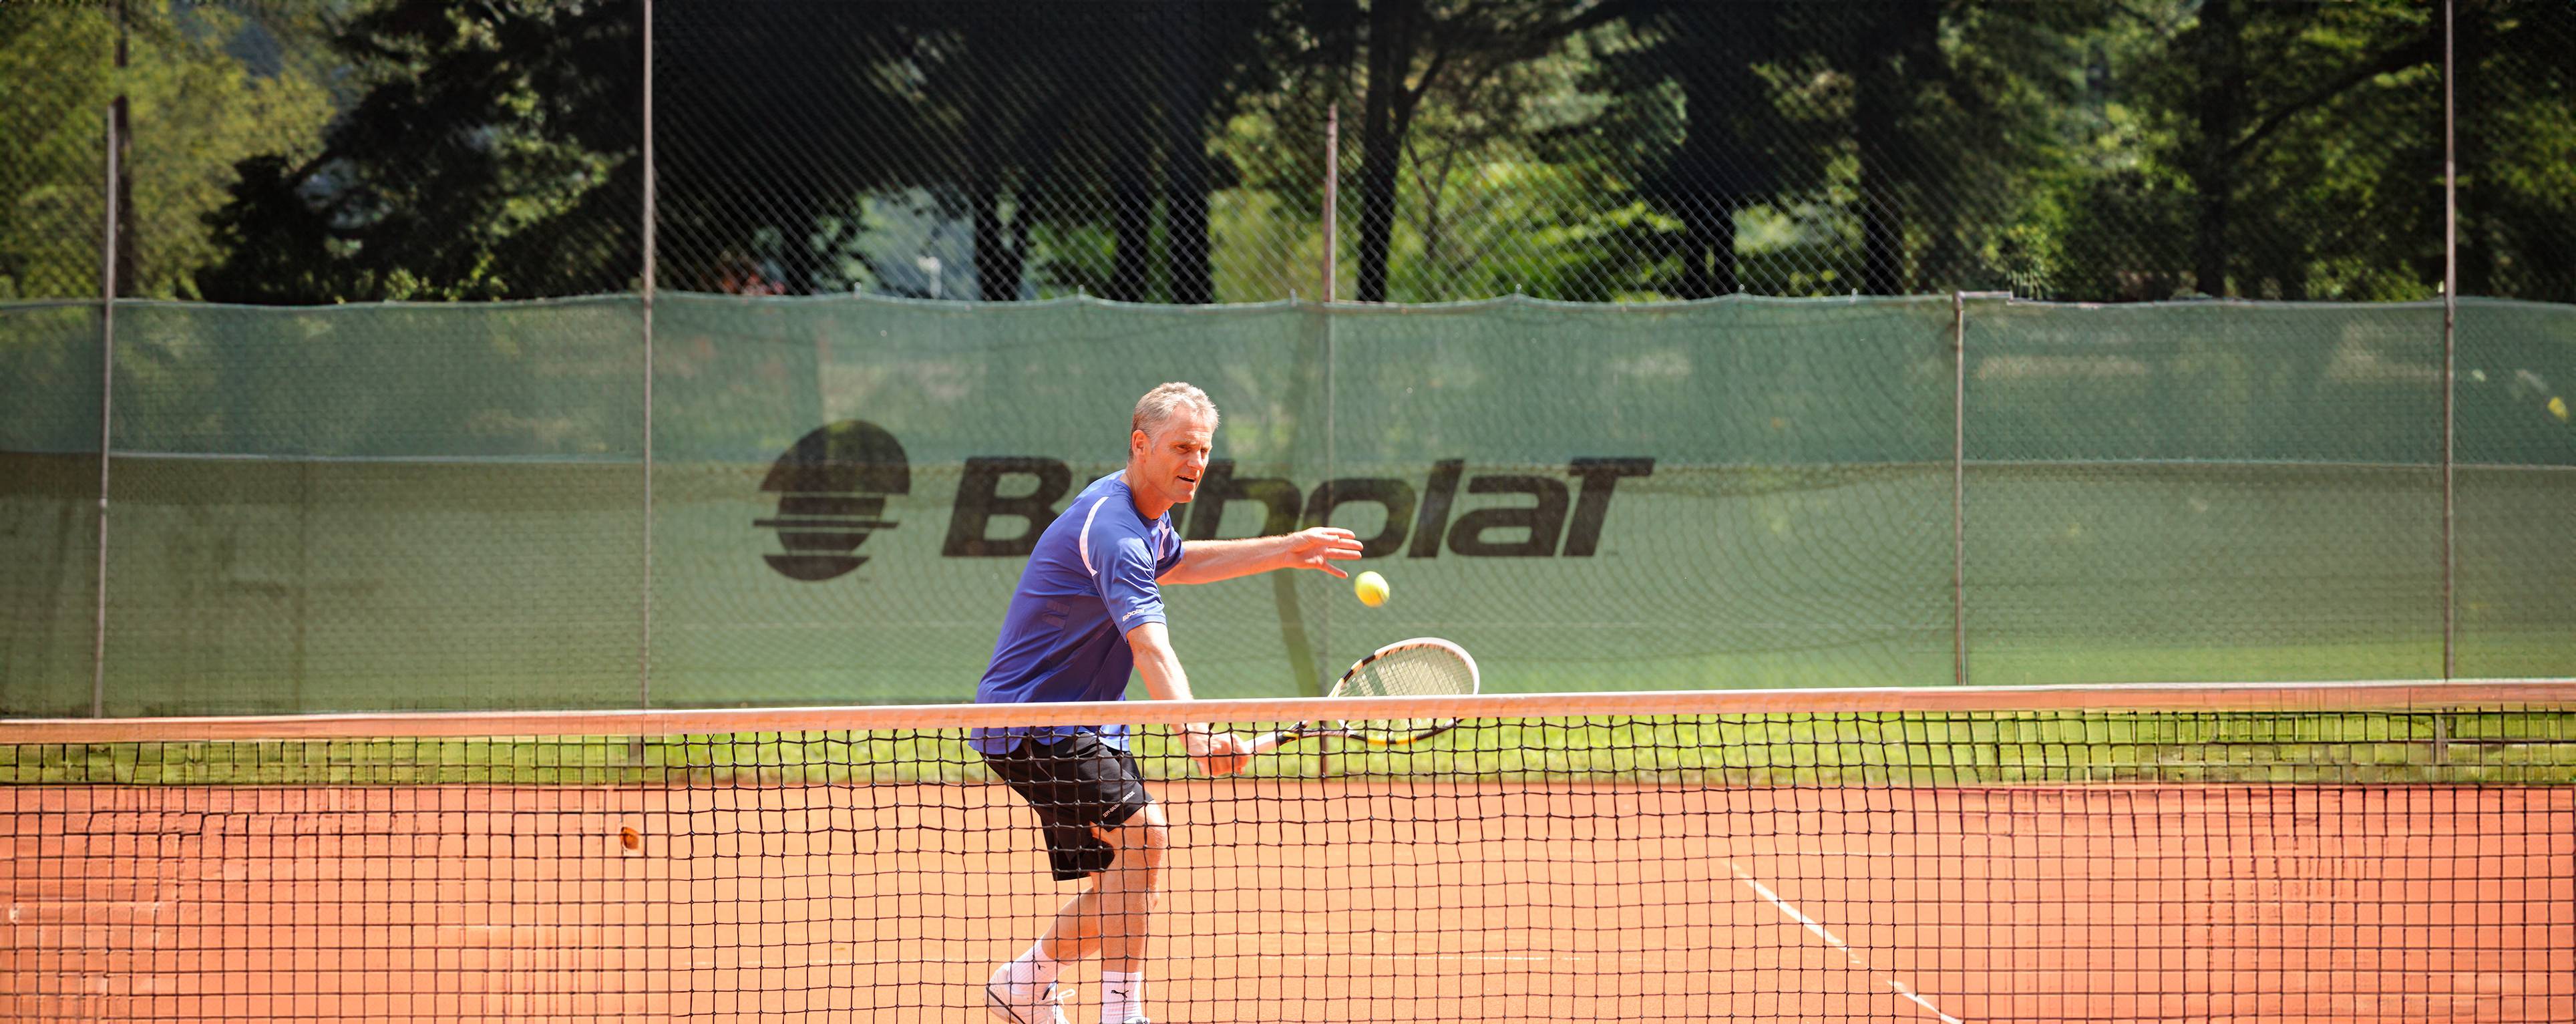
[
  {"x": 2516, "y": 489},
  {"x": 49, "y": 437},
  {"x": 962, "y": 430},
  {"x": 1737, "y": 494},
  {"x": 2204, "y": 492},
  {"x": 436, "y": 507},
  {"x": 828, "y": 500}
]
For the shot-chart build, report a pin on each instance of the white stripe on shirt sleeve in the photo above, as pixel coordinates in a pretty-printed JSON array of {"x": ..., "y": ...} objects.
[{"x": 1083, "y": 544}]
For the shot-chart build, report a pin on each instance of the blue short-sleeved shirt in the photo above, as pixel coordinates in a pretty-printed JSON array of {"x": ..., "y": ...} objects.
[{"x": 1089, "y": 581}]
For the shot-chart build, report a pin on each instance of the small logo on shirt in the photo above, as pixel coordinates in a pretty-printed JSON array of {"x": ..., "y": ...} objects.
[{"x": 832, "y": 486}]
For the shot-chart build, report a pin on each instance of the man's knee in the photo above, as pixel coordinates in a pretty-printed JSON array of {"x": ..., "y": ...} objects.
[
  {"x": 1150, "y": 843},
  {"x": 1141, "y": 841}
]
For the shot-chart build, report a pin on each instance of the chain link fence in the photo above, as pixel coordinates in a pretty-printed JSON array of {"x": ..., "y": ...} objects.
[
  {"x": 529, "y": 487},
  {"x": 1175, "y": 151}
]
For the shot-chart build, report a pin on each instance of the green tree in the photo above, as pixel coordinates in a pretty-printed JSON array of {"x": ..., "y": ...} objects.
[
  {"x": 1069, "y": 117},
  {"x": 55, "y": 66},
  {"x": 1415, "y": 48},
  {"x": 1694, "y": 99},
  {"x": 2266, "y": 97},
  {"x": 195, "y": 106},
  {"x": 494, "y": 155},
  {"x": 2517, "y": 149}
]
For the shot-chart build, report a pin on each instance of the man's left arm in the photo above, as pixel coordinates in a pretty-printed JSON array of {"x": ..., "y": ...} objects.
[{"x": 1207, "y": 561}]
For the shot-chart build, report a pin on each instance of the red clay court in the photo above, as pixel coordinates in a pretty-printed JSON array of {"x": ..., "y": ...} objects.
[{"x": 1367, "y": 900}]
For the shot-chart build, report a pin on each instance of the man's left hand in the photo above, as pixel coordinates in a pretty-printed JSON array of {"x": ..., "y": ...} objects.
[{"x": 1320, "y": 547}]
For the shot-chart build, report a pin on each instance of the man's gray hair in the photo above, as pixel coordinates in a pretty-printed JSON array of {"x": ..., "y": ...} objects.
[{"x": 1158, "y": 405}]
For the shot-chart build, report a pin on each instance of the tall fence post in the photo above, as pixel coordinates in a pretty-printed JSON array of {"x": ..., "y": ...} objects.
[
  {"x": 1959, "y": 479},
  {"x": 107, "y": 384},
  {"x": 2450, "y": 383},
  {"x": 1332, "y": 196},
  {"x": 1959, "y": 488},
  {"x": 644, "y": 641}
]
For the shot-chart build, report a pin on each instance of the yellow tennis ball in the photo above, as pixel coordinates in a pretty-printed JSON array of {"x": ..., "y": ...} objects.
[
  {"x": 1372, "y": 589},
  {"x": 2558, "y": 408}
]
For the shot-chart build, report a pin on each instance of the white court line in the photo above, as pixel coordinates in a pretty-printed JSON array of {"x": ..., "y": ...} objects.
[
  {"x": 1895, "y": 985},
  {"x": 19, "y": 911},
  {"x": 1625, "y": 961},
  {"x": 712, "y": 965}
]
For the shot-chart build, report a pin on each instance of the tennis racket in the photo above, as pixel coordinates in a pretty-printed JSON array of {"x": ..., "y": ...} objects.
[{"x": 1420, "y": 667}]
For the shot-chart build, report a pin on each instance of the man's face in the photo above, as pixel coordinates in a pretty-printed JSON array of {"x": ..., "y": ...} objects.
[{"x": 1170, "y": 462}]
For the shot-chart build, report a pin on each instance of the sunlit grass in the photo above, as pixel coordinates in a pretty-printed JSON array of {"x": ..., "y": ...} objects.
[{"x": 1872, "y": 749}]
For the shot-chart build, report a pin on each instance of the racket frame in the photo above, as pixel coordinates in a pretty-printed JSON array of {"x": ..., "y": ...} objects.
[{"x": 1267, "y": 742}]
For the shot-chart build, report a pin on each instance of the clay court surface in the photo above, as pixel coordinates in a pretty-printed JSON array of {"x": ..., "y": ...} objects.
[{"x": 1301, "y": 901}]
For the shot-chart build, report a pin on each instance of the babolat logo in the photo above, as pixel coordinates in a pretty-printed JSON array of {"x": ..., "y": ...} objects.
[
  {"x": 832, "y": 487},
  {"x": 1557, "y": 520}
]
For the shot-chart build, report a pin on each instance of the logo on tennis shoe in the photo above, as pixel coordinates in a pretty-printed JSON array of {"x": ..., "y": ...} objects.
[{"x": 832, "y": 486}]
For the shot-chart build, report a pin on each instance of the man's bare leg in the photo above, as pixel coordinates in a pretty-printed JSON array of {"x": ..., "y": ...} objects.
[{"x": 1114, "y": 916}]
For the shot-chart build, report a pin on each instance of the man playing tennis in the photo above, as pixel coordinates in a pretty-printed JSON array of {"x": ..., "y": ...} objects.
[{"x": 1087, "y": 611}]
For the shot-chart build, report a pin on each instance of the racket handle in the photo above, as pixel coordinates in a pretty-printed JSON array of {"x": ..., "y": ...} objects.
[{"x": 1269, "y": 741}]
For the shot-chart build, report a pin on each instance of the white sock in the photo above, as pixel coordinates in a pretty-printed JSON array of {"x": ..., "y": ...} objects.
[
  {"x": 1029, "y": 976},
  {"x": 1122, "y": 996}
]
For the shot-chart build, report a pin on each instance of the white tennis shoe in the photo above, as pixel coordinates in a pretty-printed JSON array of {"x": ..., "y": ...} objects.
[{"x": 1047, "y": 1008}]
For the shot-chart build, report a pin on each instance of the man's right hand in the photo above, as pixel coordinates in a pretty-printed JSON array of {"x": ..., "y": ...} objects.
[{"x": 1217, "y": 753}]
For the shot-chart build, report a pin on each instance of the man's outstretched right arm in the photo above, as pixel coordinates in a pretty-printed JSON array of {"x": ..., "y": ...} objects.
[{"x": 1217, "y": 753}]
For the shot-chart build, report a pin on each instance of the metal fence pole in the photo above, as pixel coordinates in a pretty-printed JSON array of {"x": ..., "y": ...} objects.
[
  {"x": 1332, "y": 273},
  {"x": 1959, "y": 488},
  {"x": 106, "y": 397},
  {"x": 2450, "y": 351},
  {"x": 2450, "y": 383},
  {"x": 1332, "y": 195},
  {"x": 1959, "y": 478},
  {"x": 644, "y": 644}
]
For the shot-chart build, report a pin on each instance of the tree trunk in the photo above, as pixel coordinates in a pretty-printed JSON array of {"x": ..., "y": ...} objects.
[
  {"x": 1131, "y": 190},
  {"x": 1390, "y": 57},
  {"x": 997, "y": 266},
  {"x": 1718, "y": 170},
  {"x": 1131, "y": 216},
  {"x": 2470, "y": 46},
  {"x": 1701, "y": 199},
  {"x": 1189, "y": 88},
  {"x": 2220, "y": 51},
  {"x": 1882, "y": 244},
  {"x": 128, "y": 240},
  {"x": 994, "y": 279},
  {"x": 1900, "y": 54}
]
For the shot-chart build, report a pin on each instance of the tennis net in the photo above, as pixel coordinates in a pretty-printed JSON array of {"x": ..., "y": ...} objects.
[{"x": 2273, "y": 853}]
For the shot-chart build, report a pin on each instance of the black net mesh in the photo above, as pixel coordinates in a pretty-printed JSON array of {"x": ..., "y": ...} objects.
[{"x": 1969, "y": 864}]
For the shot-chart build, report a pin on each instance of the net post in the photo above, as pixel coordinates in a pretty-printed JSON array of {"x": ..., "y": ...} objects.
[{"x": 644, "y": 642}]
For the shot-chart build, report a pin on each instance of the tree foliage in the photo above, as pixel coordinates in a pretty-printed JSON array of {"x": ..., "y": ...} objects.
[
  {"x": 1172, "y": 150},
  {"x": 204, "y": 87},
  {"x": 494, "y": 155}
]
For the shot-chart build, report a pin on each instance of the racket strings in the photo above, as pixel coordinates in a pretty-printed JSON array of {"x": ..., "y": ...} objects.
[{"x": 1408, "y": 672}]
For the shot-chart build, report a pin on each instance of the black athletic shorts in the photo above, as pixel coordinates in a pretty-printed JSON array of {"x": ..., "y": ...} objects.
[{"x": 1076, "y": 784}]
